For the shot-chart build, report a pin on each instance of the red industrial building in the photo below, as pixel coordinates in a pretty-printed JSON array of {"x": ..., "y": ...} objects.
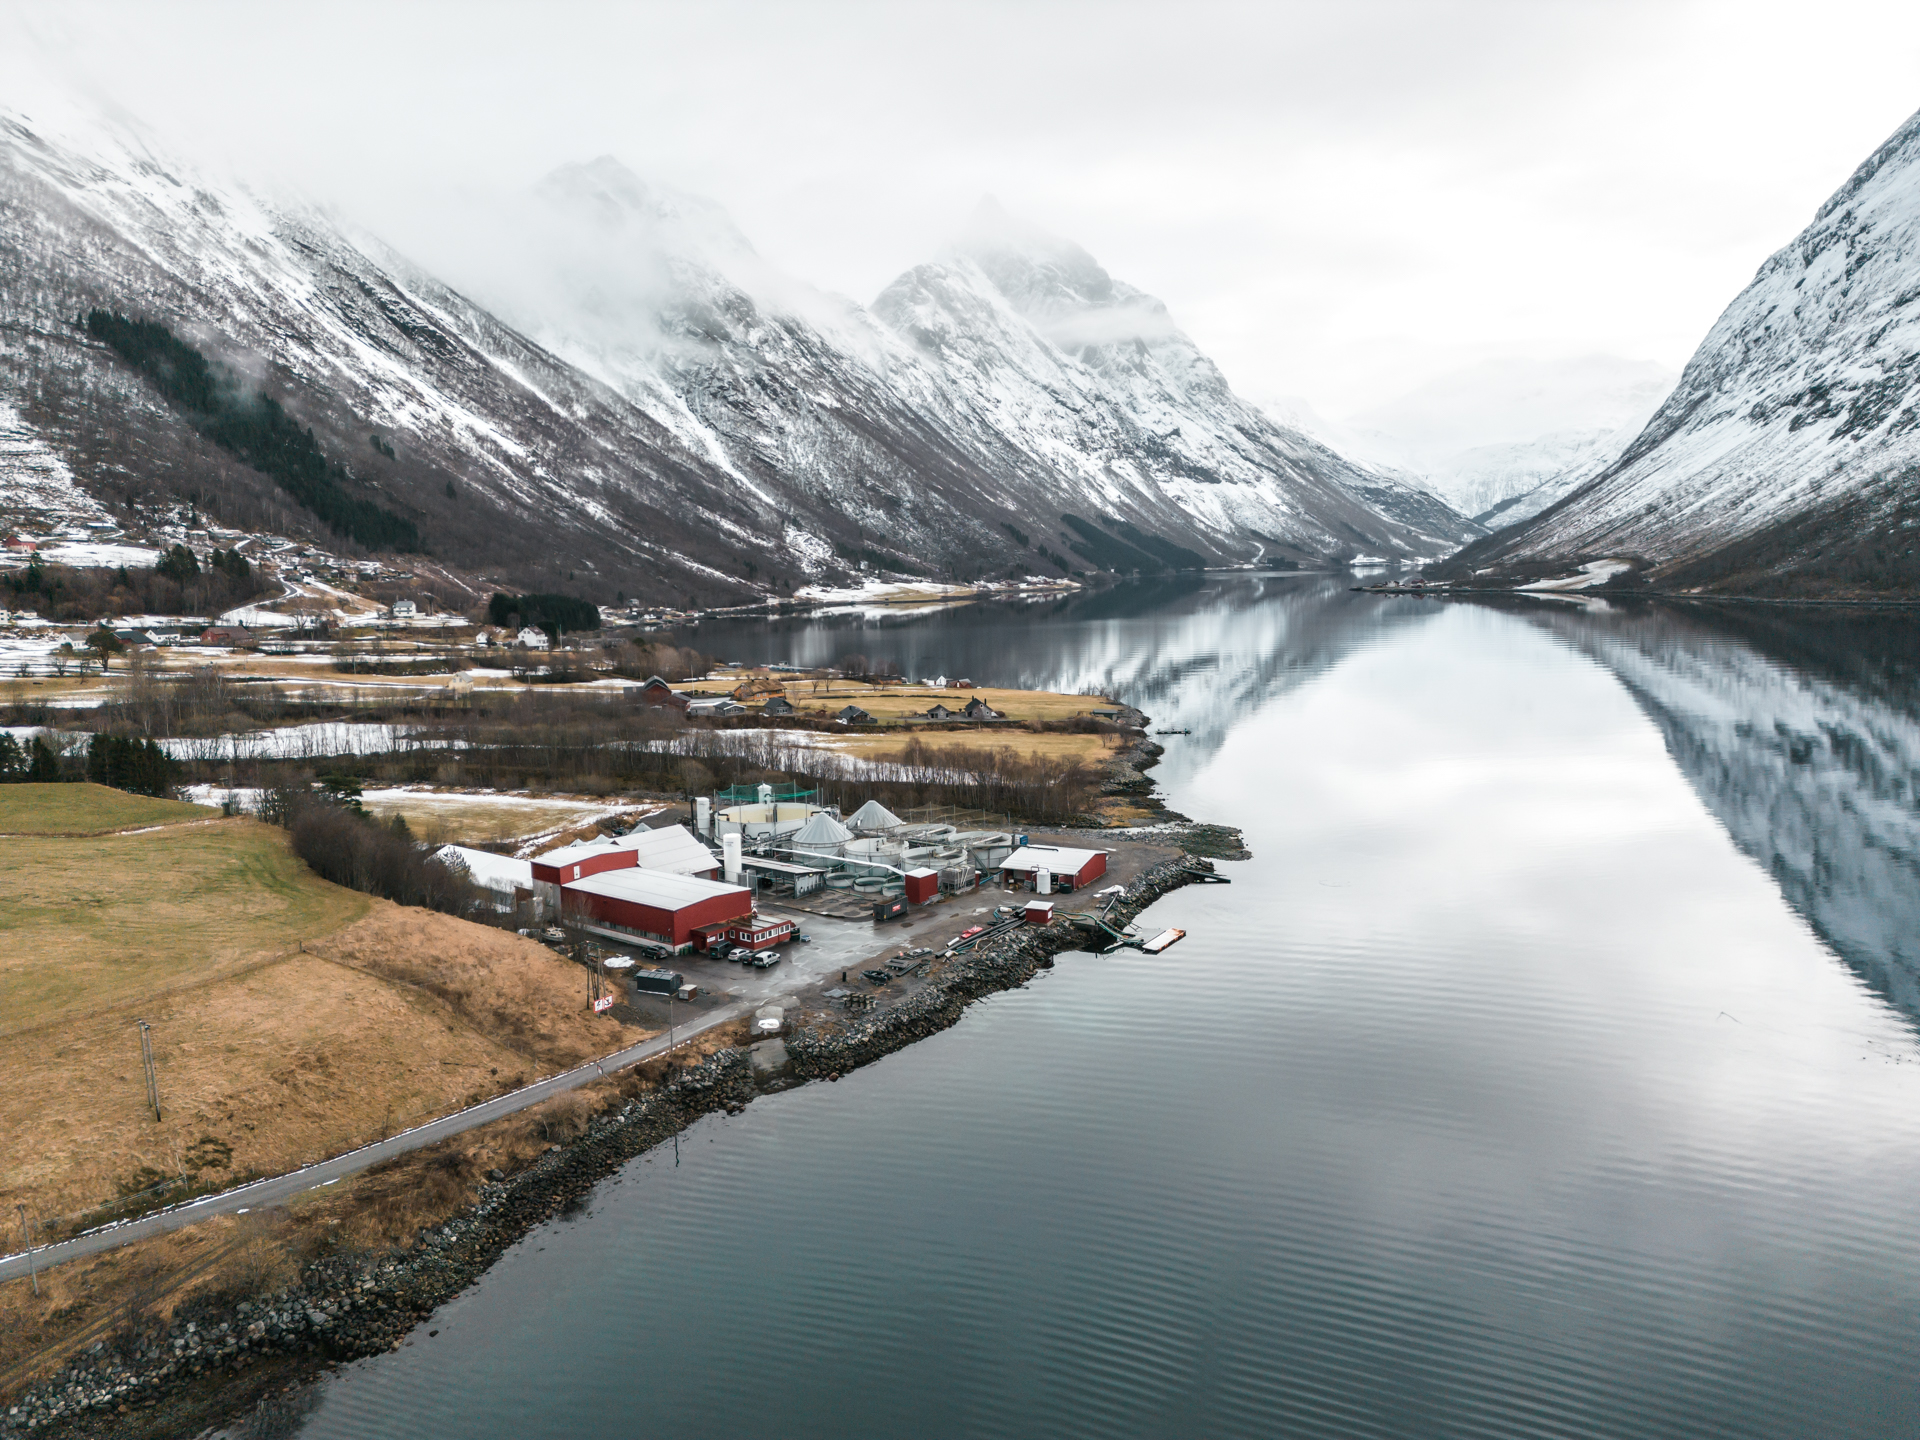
[
  {"x": 650, "y": 904},
  {"x": 1067, "y": 869},
  {"x": 576, "y": 862}
]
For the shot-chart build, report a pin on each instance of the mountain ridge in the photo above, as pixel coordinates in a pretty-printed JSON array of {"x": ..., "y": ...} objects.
[
  {"x": 705, "y": 442},
  {"x": 1787, "y": 459}
]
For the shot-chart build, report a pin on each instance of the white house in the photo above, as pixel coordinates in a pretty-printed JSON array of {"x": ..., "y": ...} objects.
[
  {"x": 531, "y": 638},
  {"x": 404, "y": 610}
]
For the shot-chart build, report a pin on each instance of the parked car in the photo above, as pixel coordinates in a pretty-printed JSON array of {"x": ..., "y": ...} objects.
[
  {"x": 766, "y": 960},
  {"x": 721, "y": 950}
]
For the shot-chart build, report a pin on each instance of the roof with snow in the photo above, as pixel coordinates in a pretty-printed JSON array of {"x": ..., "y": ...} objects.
[
  {"x": 671, "y": 848},
  {"x": 494, "y": 872},
  {"x": 873, "y": 816},
  {"x": 822, "y": 829}
]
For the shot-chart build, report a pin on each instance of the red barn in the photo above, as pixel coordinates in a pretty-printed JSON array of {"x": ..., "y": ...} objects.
[
  {"x": 652, "y": 905},
  {"x": 1068, "y": 868}
]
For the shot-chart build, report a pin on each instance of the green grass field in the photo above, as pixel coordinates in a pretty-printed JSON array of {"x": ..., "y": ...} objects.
[
  {"x": 102, "y": 921},
  {"x": 86, "y": 810}
]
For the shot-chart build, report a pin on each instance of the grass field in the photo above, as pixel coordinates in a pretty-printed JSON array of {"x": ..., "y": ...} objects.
[
  {"x": 112, "y": 920},
  {"x": 86, "y": 810},
  {"x": 1021, "y": 742},
  {"x": 474, "y": 819},
  {"x": 291, "y": 1018},
  {"x": 896, "y": 702}
]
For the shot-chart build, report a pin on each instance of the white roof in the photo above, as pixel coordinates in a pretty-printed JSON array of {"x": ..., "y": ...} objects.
[
  {"x": 653, "y": 887},
  {"x": 671, "y": 847},
  {"x": 495, "y": 872},
  {"x": 822, "y": 829},
  {"x": 1059, "y": 859},
  {"x": 873, "y": 816},
  {"x": 578, "y": 850}
]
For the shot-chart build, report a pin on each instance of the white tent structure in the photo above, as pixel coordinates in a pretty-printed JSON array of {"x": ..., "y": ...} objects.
[
  {"x": 872, "y": 817},
  {"x": 822, "y": 832},
  {"x": 672, "y": 849},
  {"x": 504, "y": 877}
]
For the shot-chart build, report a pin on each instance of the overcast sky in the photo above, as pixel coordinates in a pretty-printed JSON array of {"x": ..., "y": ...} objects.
[{"x": 1337, "y": 200}]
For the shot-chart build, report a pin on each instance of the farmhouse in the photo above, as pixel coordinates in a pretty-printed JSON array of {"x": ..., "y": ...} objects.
[
  {"x": 777, "y": 705},
  {"x": 657, "y": 692},
  {"x": 854, "y": 715},
  {"x": 939, "y": 712},
  {"x": 531, "y": 638},
  {"x": 978, "y": 709},
  {"x": 1063, "y": 867}
]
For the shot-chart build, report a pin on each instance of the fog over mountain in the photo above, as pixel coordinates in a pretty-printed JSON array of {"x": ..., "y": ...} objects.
[
  {"x": 1502, "y": 439},
  {"x": 638, "y": 402},
  {"x": 1787, "y": 459}
]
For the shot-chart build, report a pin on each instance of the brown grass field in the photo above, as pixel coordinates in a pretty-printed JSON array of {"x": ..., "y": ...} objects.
[
  {"x": 1021, "y": 742},
  {"x": 897, "y": 702},
  {"x": 291, "y": 1018}
]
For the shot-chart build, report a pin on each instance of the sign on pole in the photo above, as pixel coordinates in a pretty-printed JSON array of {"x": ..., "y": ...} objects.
[{"x": 605, "y": 1002}]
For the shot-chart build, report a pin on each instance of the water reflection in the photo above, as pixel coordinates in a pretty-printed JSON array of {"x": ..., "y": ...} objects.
[
  {"x": 1499, "y": 1096},
  {"x": 1194, "y": 653},
  {"x": 1801, "y": 733}
]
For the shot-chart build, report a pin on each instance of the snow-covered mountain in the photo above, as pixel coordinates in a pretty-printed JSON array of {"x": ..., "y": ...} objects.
[
  {"x": 1788, "y": 457},
  {"x": 1013, "y": 378},
  {"x": 1488, "y": 435},
  {"x": 658, "y": 413}
]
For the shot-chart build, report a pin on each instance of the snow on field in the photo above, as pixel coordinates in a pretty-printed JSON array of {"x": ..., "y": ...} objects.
[
  {"x": 294, "y": 742},
  {"x": 882, "y": 591},
  {"x": 1594, "y": 572},
  {"x": 245, "y": 798},
  {"x": 89, "y": 552},
  {"x": 258, "y": 617}
]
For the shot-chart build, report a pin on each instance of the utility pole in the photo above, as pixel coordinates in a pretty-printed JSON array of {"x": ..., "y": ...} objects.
[
  {"x": 146, "y": 1061},
  {"x": 27, "y": 1235}
]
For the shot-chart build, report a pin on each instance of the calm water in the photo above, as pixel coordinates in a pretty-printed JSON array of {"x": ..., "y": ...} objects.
[{"x": 1550, "y": 1071}]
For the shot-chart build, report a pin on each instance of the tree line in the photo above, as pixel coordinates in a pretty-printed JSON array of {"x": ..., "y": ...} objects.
[{"x": 253, "y": 426}]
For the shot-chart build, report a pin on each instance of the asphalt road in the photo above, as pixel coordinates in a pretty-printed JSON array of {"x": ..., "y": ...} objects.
[
  {"x": 277, "y": 1188},
  {"x": 837, "y": 945}
]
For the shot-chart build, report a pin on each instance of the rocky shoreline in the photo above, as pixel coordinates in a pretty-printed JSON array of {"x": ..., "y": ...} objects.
[{"x": 194, "y": 1373}]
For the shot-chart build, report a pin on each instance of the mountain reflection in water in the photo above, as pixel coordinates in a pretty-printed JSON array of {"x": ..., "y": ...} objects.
[
  {"x": 1801, "y": 733},
  {"x": 1537, "y": 1076}
]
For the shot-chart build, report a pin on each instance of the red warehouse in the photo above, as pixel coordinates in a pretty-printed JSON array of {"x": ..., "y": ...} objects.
[
  {"x": 652, "y": 905},
  {"x": 575, "y": 862},
  {"x": 1067, "y": 869}
]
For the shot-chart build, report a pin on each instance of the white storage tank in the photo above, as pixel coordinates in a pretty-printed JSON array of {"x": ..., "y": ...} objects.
[{"x": 730, "y": 857}]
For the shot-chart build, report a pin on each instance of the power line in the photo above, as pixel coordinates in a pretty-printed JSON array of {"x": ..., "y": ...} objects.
[
  {"x": 146, "y": 1061},
  {"x": 27, "y": 1235}
]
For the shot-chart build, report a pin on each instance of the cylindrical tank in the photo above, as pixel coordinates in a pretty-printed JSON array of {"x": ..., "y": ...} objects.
[
  {"x": 1043, "y": 882},
  {"x": 730, "y": 858},
  {"x": 703, "y": 816},
  {"x": 766, "y": 795}
]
